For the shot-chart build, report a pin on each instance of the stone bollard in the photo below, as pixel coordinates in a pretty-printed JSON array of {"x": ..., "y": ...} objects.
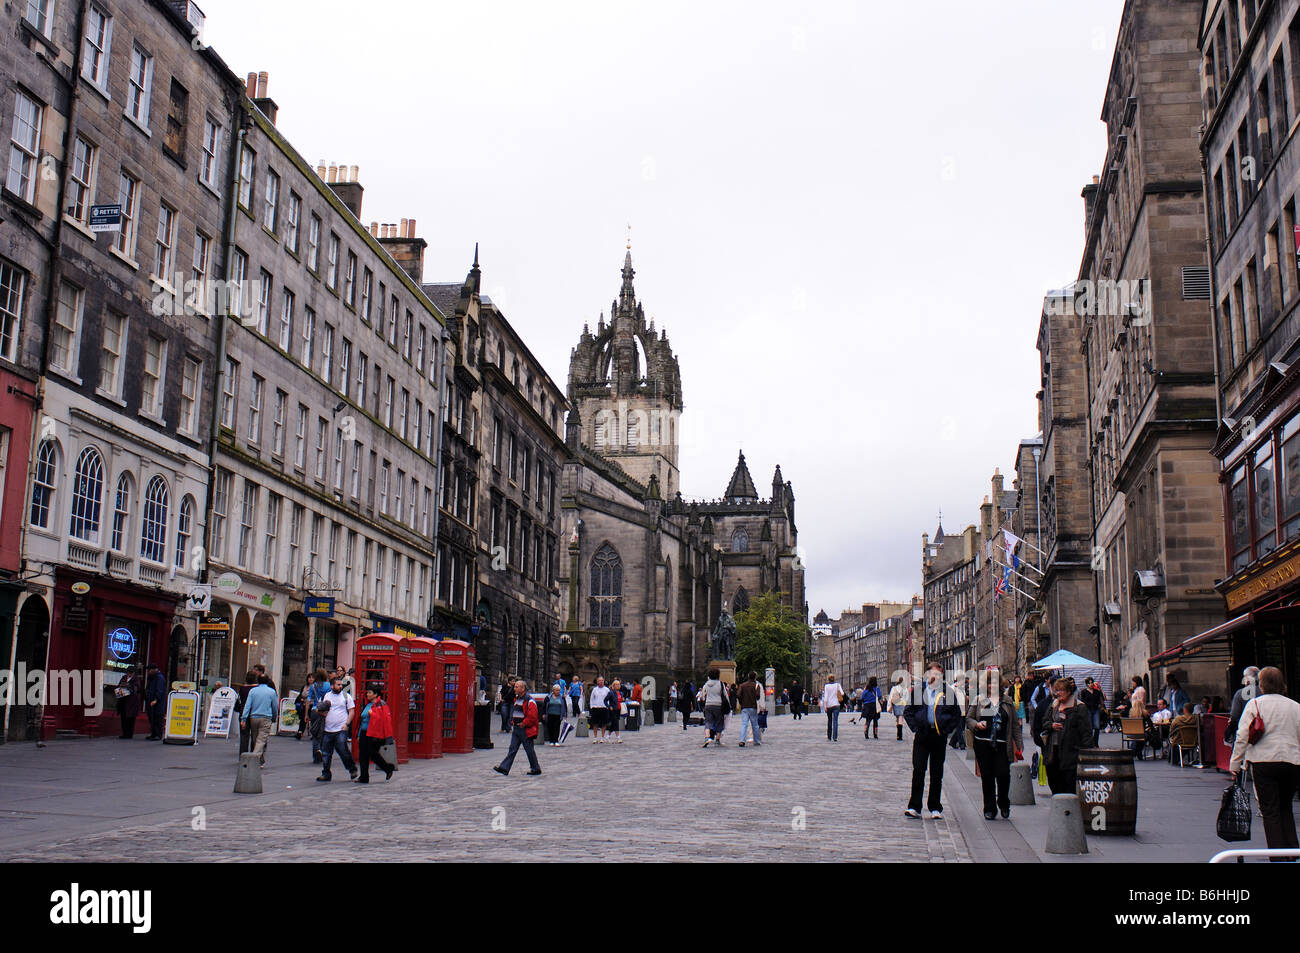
[
  {"x": 249, "y": 778},
  {"x": 1022, "y": 787},
  {"x": 672, "y": 715},
  {"x": 583, "y": 730},
  {"x": 1065, "y": 826}
]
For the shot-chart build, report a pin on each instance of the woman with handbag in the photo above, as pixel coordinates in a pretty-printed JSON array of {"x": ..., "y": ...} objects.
[
  {"x": 617, "y": 706},
  {"x": 871, "y": 701},
  {"x": 996, "y": 727},
  {"x": 376, "y": 731},
  {"x": 1067, "y": 730},
  {"x": 1268, "y": 739},
  {"x": 715, "y": 703},
  {"x": 127, "y": 694}
]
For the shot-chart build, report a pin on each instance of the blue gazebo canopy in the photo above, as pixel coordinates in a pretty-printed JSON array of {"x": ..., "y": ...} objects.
[{"x": 1061, "y": 658}]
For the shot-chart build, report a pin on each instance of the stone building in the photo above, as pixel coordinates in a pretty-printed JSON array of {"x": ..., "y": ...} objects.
[
  {"x": 112, "y": 104},
  {"x": 1148, "y": 349},
  {"x": 326, "y": 449},
  {"x": 645, "y": 573},
  {"x": 994, "y": 612},
  {"x": 1068, "y": 605},
  {"x": 948, "y": 570},
  {"x": 1250, "y": 99},
  {"x": 509, "y": 539}
]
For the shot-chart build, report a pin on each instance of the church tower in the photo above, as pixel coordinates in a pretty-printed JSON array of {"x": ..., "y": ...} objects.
[{"x": 625, "y": 386}]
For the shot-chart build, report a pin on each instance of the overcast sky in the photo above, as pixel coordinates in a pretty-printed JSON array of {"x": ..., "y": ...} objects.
[{"x": 845, "y": 217}]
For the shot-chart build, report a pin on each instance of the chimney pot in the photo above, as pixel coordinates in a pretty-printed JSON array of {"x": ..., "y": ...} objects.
[
  {"x": 333, "y": 174},
  {"x": 356, "y": 175},
  {"x": 402, "y": 231},
  {"x": 374, "y": 229},
  {"x": 410, "y": 228},
  {"x": 263, "y": 80},
  {"x": 250, "y": 85}
]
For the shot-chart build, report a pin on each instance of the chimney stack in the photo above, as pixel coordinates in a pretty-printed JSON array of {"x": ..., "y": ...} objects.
[
  {"x": 343, "y": 180},
  {"x": 1089, "y": 201},
  {"x": 407, "y": 250},
  {"x": 256, "y": 87}
]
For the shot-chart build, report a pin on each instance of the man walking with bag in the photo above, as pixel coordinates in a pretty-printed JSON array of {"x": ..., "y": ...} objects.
[
  {"x": 932, "y": 716},
  {"x": 524, "y": 720},
  {"x": 750, "y": 694}
]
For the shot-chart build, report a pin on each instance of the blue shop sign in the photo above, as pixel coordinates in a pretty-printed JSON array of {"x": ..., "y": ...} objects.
[{"x": 321, "y": 607}]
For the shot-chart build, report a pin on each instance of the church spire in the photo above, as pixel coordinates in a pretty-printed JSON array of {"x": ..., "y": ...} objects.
[
  {"x": 626, "y": 294},
  {"x": 741, "y": 489}
]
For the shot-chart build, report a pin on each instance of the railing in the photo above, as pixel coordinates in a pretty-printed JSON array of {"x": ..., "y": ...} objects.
[
  {"x": 153, "y": 574},
  {"x": 1223, "y": 856},
  {"x": 82, "y": 556}
]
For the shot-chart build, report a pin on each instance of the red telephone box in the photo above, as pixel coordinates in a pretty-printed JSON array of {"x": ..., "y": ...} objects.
[
  {"x": 423, "y": 699},
  {"x": 457, "y": 696},
  {"x": 379, "y": 660}
]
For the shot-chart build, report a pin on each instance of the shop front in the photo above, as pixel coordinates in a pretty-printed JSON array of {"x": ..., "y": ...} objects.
[
  {"x": 102, "y": 630},
  {"x": 247, "y": 631}
]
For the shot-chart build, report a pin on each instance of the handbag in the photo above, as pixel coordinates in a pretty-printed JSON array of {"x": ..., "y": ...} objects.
[
  {"x": 1233, "y": 823},
  {"x": 1256, "y": 728},
  {"x": 388, "y": 751}
]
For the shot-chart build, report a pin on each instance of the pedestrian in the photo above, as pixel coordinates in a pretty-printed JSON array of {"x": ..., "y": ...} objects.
[
  {"x": 1273, "y": 755},
  {"x": 155, "y": 698},
  {"x": 375, "y": 729},
  {"x": 871, "y": 700},
  {"x": 1174, "y": 696},
  {"x": 932, "y": 716},
  {"x": 616, "y": 704},
  {"x": 300, "y": 704},
  {"x": 685, "y": 704},
  {"x": 523, "y": 729},
  {"x": 994, "y": 723},
  {"x": 832, "y": 699},
  {"x": 597, "y": 711},
  {"x": 715, "y": 698},
  {"x": 796, "y": 699},
  {"x": 339, "y": 709},
  {"x": 897, "y": 702},
  {"x": 506, "y": 697},
  {"x": 672, "y": 697},
  {"x": 260, "y": 671},
  {"x": 1249, "y": 689},
  {"x": 258, "y": 716},
  {"x": 749, "y": 695},
  {"x": 575, "y": 697},
  {"x": 555, "y": 705},
  {"x": 1066, "y": 732},
  {"x": 1092, "y": 697},
  {"x": 320, "y": 687},
  {"x": 128, "y": 698},
  {"x": 1137, "y": 699},
  {"x": 1016, "y": 686}
]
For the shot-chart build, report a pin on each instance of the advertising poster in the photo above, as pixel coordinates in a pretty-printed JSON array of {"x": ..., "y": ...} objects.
[
  {"x": 182, "y": 718},
  {"x": 288, "y": 724},
  {"x": 221, "y": 713}
]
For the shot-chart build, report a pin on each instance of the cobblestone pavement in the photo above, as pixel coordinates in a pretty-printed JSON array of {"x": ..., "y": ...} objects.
[{"x": 658, "y": 795}]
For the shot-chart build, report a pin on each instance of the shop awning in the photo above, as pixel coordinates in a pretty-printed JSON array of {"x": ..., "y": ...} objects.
[{"x": 1201, "y": 644}]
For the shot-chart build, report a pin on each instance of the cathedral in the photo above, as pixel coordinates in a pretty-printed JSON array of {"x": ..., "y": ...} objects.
[{"x": 644, "y": 574}]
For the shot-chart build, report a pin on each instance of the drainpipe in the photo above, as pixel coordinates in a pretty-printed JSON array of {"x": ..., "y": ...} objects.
[
  {"x": 443, "y": 340},
  {"x": 232, "y": 200}
]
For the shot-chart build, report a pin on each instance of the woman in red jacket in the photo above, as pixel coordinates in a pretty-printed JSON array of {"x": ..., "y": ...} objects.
[{"x": 376, "y": 728}]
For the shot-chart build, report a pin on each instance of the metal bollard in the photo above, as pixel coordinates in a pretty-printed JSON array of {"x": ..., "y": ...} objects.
[
  {"x": 249, "y": 778},
  {"x": 1065, "y": 826},
  {"x": 1022, "y": 787}
]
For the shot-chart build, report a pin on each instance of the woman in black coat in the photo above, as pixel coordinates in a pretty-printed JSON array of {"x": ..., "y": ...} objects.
[
  {"x": 1067, "y": 730},
  {"x": 128, "y": 695},
  {"x": 685, "y": 703}
]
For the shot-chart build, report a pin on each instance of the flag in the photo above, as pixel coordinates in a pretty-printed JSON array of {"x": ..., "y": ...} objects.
[
  {"x": 1003, "y": 583},
  {"x": 1012, "y": 541}
]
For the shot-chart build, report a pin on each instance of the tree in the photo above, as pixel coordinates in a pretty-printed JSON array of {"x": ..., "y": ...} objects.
[{"x": 769, "y": 634}]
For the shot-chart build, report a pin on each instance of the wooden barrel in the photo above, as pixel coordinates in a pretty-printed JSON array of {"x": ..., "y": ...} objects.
[{"x": 1107, "y": 789}]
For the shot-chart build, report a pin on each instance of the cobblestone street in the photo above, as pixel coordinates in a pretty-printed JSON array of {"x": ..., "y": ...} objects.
[{"x": 658, "y": 796}]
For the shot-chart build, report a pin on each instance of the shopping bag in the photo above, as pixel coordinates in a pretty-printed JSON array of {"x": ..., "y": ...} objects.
[
  {"x": 1234, "y": 813},
  {"x": 762, "y": 721},
  {"x": 1042, "y": 771},
  {"x": 388, "y": 751}
]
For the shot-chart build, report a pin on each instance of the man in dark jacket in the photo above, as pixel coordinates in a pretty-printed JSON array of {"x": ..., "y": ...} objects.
[
  {"x": 1249, "y": 689},
  {"x": 932, "y": 715},
  {"x": 155, "y": 700}
]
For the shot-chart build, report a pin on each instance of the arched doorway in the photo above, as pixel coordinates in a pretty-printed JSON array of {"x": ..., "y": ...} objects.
[
  {"x": 178, "y": 655},
  {"x": 32, "y": 643},
  {"x": 240, "y": 633}
]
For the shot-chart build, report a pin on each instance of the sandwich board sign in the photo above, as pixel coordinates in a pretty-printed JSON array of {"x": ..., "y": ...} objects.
[
  {"x": 221, "y": 713},
  {"x": 182, "y": 722}
]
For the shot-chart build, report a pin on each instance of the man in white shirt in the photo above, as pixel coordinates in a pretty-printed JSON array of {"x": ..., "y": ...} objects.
[
  {"x": 831, "y": 700},
  {"x": 1162, "y": 715},
  {"x": 338, "y": 720},
  {"x": 597, "y": 712}
]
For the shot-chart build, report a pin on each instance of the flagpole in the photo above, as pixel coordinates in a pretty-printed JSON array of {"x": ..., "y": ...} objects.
[
  {"x": 1021, "y": 539},
  {"x": 1031, "y": 582}
]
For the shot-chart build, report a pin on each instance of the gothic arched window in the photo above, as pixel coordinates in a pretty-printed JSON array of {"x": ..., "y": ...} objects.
[
  {"x": 606, "y": 589},
  {"x": 740, "y": 541},
  {"x": 87, "y": 492},
  {"x": 741, "y": 602}
]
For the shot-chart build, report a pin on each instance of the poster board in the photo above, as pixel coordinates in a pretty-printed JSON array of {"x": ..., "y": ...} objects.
[
  {"x": 182, "y": 721},
  {"x": 288, "y": 721},
  {"x": 221, "y": 713}
]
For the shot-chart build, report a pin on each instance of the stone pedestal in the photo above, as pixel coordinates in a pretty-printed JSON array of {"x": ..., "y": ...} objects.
[
  {"x": 1065, "y": 826},
  {"x": 672, "y": 715},
  {"x": 583, "y": 729},
  {"x": 248, "y": 779},
  {"x": 1022, "y": 787},
  {"x": 726, "y": 671}
]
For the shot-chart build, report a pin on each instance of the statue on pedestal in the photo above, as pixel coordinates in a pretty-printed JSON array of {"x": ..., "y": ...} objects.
[{"x": 723, "y": 641}]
